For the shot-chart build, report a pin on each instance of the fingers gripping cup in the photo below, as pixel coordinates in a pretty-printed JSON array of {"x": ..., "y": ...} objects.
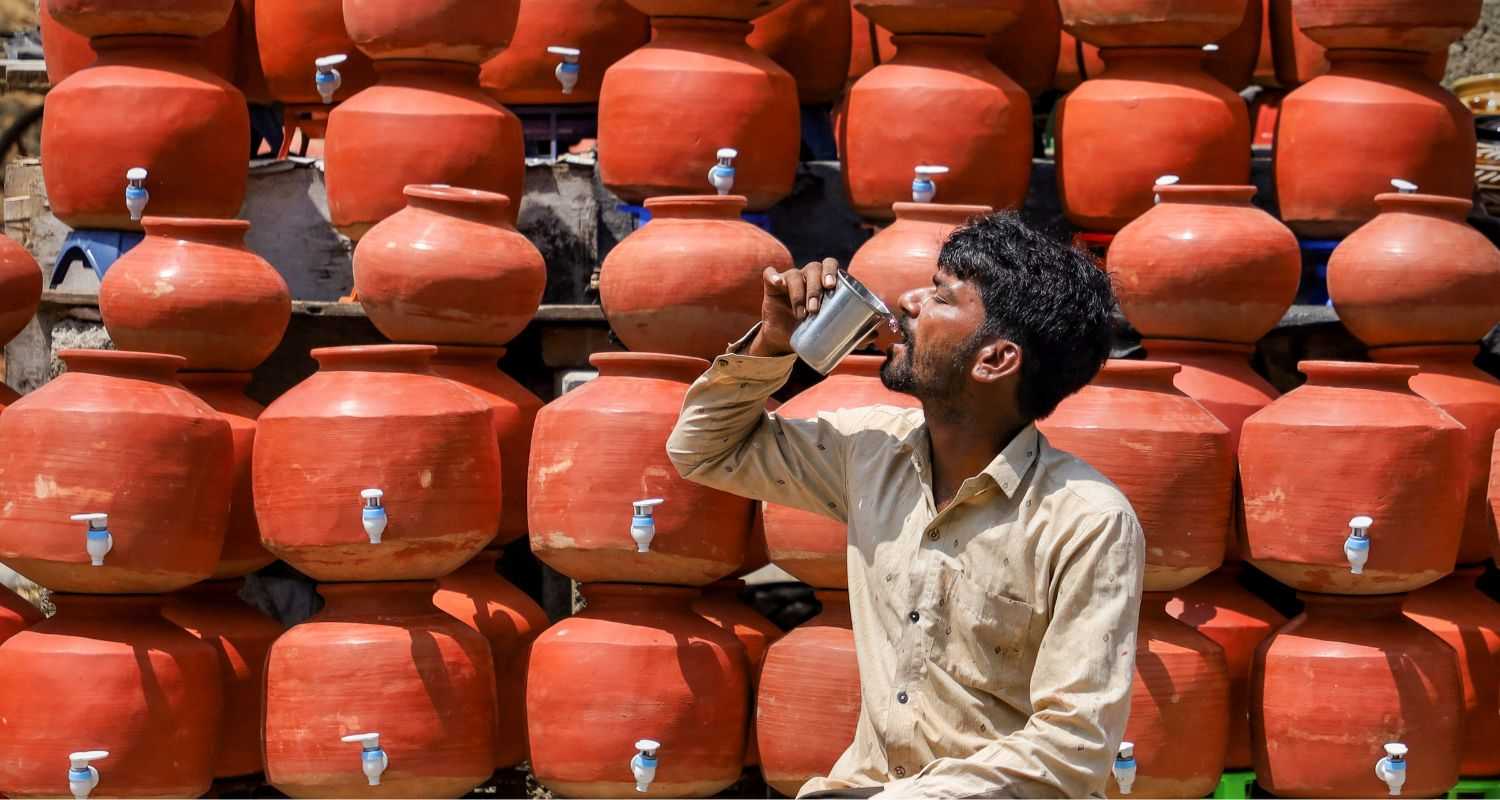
[{"x": 843, "y": 321}]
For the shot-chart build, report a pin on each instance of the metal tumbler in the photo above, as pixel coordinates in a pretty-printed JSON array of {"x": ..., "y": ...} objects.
[{"x": 845, "y": 318}]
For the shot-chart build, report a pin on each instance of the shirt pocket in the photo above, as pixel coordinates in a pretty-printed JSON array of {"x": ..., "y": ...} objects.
[{"x": 987, "y": 642}]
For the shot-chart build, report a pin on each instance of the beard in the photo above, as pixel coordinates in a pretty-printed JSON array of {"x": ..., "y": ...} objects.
[{"x": 929, "y": 377}]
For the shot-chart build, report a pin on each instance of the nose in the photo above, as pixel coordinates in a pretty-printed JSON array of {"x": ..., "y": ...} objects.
[{"x": 911, "y": 301}]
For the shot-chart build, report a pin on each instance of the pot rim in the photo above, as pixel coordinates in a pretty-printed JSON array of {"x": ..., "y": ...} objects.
[
  {"x": 1207, "y": 192},
  {"x": 234, "y": 379},
  {"x": 365, "y": 356},
  {"x": 1140, "y": 368},
  {"x": 1335, "y": 372},
  {"x": 1456, "y": 208},
  {"x": 620, "y": 363},
  {"x": 954, "y": 213},
  {"x": 683, "y": 206},
  {"x": 109, "y": 361},
  {"x": 446, "y": 193}
]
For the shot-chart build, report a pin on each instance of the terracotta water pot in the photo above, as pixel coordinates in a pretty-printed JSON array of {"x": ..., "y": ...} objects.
[
  {"x": 241, "y": 636},
  {"x": 1320, "y": 127},
  {"x": 606, "y": 441},
  {"x": 721, "y": 605},
  {"x": 470, "y": 31},
  {"x": 1222, "y": 610},
  {"x": 1239, "y": 52},
  {"x": 1462, "y": 615},
  {"x": 20, "y": 288},
  {"x": 1389, "y": 25},
  {"x": 1026, "y": 49},
  {"x": 665, "y": 109},
  {"x": 809, "y": 698},
  {"x": 808, "y": 38},
  {"x": 973, "y": 119},
  {"x": 514, "y": 408},
  {"x": 394, "y": 124},
  {"x": 1153, "y": 112},
  {"x": 1179, "y": 706},
  {"x": 449, "y": 268},
  {"x": 224, "y": 392},
  {"x": 524, "y": 73},
  {"x": 192, "y": 288},
  {"x": 960, "y": 17},
  {"x": 871, "y": 45},
  {"x": 380, "y": 658},
  {"x": 689, "y": 282},
  {"x": 115, "y": 434},
  {"x": 1205, "y": 264},
  {"x": 1371, "y": 446},
  {"x": 510, "y": 621},
  {"x": 638, "y": 657},
  {"x": 376, "y": 417},
  {"x": 1416, "y": 273},
  {"x": 292, "y": 35},
  {"x": 107, "y": 672},
  {"x": 904, "y": 255},
  {"x": 811, "y": 547},
  {"x": 1167, "y": 453},
  {"x": 68, "y": 51},
  {"x": 16, "y": 614},
  {"x": 1151, "y": 23},
  {"x": 1298, "y": 59},
  {"x": 1451, "y": 381},
  {"x": 193, "y": 142},
  {"x": 184, "y": 18},
  {"x": 1337, "y": 683}
]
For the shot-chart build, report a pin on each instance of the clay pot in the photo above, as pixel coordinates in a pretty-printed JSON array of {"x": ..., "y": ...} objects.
[
  {"x": 20, "y": 288},
  {"x": 975, "y": 120},
  {"x": 606, "y": 441},
  {"x": 1151, "y": 23},
  {"x": 393, "y": 124},
  {"x": 241, "y": 636},
  {"x": 1433, "y": 146},
  {"x": 1337, "y": 683},
  {"x": 1204, "y": 263},
  {"x": 666, "y": 108},
  {"x": 689, "y": 282},
  {"x": 807, "y": 38},
  {"x": 292, "y": 35},
  {"x": 510, "y": 621},
  {"x": 115, "y": 434},
  {"x": 16, "y": 614},
  {"x": 1460, "y": 614},
  {"x": 1169, "y": 456},
  {"x": 871, "y": 45},
  {"x": 525, "y": 73},
  {"x": 379, "y": 658},
  {"x": 960, "y": 17},
  {"x": 1416, "y": 273},
  {"x": 811, "y": 547},
  {"x": 145, "y": 103},
  {"x": 809, "y": 698},
  {"x": 1298, "y": 59},
  {"x": 904, "y": 256},
  {"x": 376, "y": 417},
  {"x": 1219, "y": 608},
  {"x": 449, "y": 268},
  {"x": 224, "y": 392},
  {"x": 721, "y": 605},
  {"x": 191, "y": 288},
  {"x": 1390, "y": 25},
  {"x": 1024, "y": 49},
  {"x": 470, "y": 31},
  {"x": 109, "y": 673},
  {"x": 1372, "y": 447},
  {"x": 1179, "y": 707},
  {"x": 514, "y": 408},
  {"x": 159, "y": 17},
  {"x": 1240, "y": 51},
  {"x": 638, "y": 657}
]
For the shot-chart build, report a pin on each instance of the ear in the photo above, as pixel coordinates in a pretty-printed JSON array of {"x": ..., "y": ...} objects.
[{"x": 997, "y": 360}]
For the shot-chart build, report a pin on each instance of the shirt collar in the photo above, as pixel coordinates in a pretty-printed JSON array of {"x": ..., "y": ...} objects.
[{"x": 1006, "y": 470}]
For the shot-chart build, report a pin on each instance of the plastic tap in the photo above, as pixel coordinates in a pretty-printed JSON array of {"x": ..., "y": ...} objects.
[
  {"x": 643, "y": 523},
  {"x": 1392, "y": 768},
  {"x": 721, "y": 174},
  {"x": 643, "y": 766},
  {"x": 1357, "y": 546},
  {"x": 136, "y": 196},
  {"x": 83, "y": 777},
  {"x": 97, "y": 541},
  {"x": 923, "y": 189},
  {"x": 372, "y": 760},
  {"x": 1124, "y": 768},
  {"x": 373, "y": 515},
  {"x": 1404, "y": 186},
  {"x": 567, "y": 69},
  {"x": 328, "y": 79}
]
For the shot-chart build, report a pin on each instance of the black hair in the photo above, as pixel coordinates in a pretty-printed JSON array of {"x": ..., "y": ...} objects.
[{"x": 1050, "y": 298}]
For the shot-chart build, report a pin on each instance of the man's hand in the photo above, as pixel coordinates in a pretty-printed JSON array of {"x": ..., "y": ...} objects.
[{"x": 790, "y": 297}]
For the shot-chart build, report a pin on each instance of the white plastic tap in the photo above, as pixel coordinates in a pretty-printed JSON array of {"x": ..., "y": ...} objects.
[
  {"x": 721, "y": 174},
  {"x": 1165, "y": 180},
  {"x": 327, "y": 78},
  {"x": 1124, "y": 768},
  {"x": 97, "y": 541},
  {"x": 567, "y": 69},
  {"x": 1392, "y": 768},
  {"x": 1404, "y": 186},
  {"x": 372, "y": 760},
  {"x": 923, "y": 188},
  {"x": 136, "y": 196},
  {"x": 83, "y": 777},
  {"x": 373, "y": 514},
  {"x": 1357, "y": 546},
  {"x": 643, "y": 766},
  {"x": 643, "y": 523}
]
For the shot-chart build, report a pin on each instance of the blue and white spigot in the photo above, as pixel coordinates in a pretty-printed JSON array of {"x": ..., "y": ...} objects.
[
  {"x": 373, "y": 514},
  {"x": 83, "y": 777},
  {"x": 1404, "y": 186},
  {"x": 97, "y": 540},
  {"x": 567, "y": 69},
  {"x": 721, "y": 174},
  {"x": 327, "y": 78},
  {"x": 923, "y": 188},
  {"x": 136, "y": 196},
  {"x": 643, "y": 523},
  {"x": 1165, "y": 180},
  {"x": 643, "y": 766},
  {"x": 373, "y": 761},
  {"x": 1392, "y": 768},
  {"x": 1357, "y": 546},
  {"x": 1124, "y": 768}
]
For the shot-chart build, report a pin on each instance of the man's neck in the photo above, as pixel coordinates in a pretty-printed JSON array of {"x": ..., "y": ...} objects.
[{"x": 962, "y": 448}]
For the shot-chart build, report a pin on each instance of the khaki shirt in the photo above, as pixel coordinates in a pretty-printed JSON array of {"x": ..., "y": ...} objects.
[{"x": 996, "y": 639}]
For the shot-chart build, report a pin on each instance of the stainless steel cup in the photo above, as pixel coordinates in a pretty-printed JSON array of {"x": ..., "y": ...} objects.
[{"x": 844, "y": 319}]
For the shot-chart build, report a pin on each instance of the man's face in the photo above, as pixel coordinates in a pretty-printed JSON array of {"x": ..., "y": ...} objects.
[{"x": 939, "y": 338}]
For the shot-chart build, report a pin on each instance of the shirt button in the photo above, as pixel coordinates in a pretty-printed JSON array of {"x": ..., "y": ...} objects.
[
  {"x": 900, "y": 772},
  {"x": 914, "y": 616},
  {"x": 901, "y": 698},
  {"x": 932, "y": 535}
]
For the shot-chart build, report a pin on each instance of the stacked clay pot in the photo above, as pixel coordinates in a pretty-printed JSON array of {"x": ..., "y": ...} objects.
[
  {"x": 697, "y": 86},
  {"x": 811, "y": 40},
  {"x": 721, "y": 605},
  {"x": 1153, "y": 111},
  {"x": 291, "y": 36},
  {"x": 1462, "y": 615},
  {"x": 148, "y": 101},
  {"x": 1336, "y": 148},
  {"x": 426, "y": 121},
  {"x": 20, "y": 295},
  {"x": 960, "y": 109},
  {"x": 603, "y": 31},
  {"x": 67, "y": 52},
  {"x": 1296, "y": 59}
]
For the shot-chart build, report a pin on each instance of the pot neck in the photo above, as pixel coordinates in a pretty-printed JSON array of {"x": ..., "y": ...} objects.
[
  {"x": 214, "y": 592},
  {"x": 154, "y": 42},
  {"x": 1177, "y": 350},
  {"x": 728, "y": 588},
  {"x": 427, "y": 71},
  {"x": 226, "y": 382},
  {"x": 1206, "y": 195},
  {"x": 835, "y": 608},
  {"x": 705, "y": 206},
  {"x": 378, "y": 599},
  {"x": 637, "y": 596},
  {"x": 1152, "y": 376},
  {"x": 667, "y": 31},
  {"x": 1358, "y": 375},
  {"x": 414, "y": 358},
  {"x": 655, "y": 366},
  {"x": 488, "y": 561},
  {"x": 940, "y": 213},
  {"x": 1363, "y": 607},
  {"x": 471, "y": 205},
  {"x": 108, "y": 607},
  {"x": 1154, "y": 605},
  {"x": 468, "y": 356},
  {"x": 219, "y": 232},
  {"x": 1177, "y": 57},
  {"x": 1407, "y": 59},
  {"x": 1447, "y": 209},
  {"x": 946, "y": 44},
  {"x": 154, "y": 367}
]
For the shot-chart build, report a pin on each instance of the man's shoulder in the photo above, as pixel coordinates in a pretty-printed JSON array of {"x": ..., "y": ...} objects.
[
  {"x": 1078, "y": 489},
  {"x": 893, "y": 420}
]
